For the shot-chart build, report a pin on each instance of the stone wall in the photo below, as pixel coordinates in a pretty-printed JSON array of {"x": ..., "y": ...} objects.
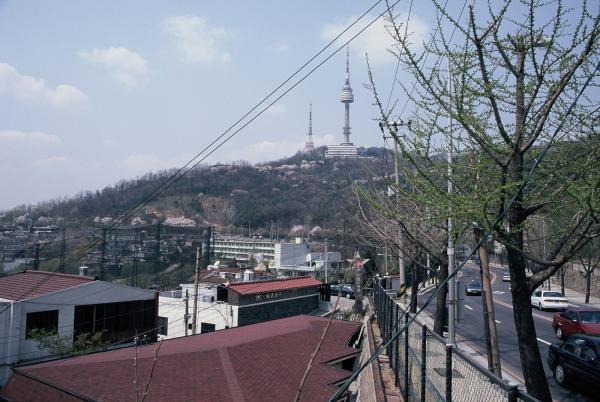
[
  {"x": 370, "y": 388},
  {"x": 575, "y": 280}
]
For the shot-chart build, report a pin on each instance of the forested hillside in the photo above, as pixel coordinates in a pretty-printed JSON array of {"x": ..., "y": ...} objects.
[{"x": 302, "y": 190}]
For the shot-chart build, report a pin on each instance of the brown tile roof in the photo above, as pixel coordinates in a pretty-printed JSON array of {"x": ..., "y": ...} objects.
[
  {"x": 29, "y": 284},
  {"x": 211, "y": 277},
  {"x": 275, "y": 285},
  {"x": 261, "y": 362}
]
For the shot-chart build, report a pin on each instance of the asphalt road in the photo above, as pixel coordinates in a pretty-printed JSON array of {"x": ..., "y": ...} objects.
[{"x": 470, "y": 330}]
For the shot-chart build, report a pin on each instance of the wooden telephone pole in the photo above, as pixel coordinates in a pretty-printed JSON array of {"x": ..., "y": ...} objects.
[
  {"x": 493, "y": 353},
  {"x": 196, "y": 279}
]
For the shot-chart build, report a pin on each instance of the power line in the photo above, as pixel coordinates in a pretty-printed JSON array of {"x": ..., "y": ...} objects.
[{"x": 184, "y": 169}]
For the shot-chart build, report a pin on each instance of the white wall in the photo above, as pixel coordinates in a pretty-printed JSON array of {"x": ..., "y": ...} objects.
[
  {"x": 217, "y": 313},
  {"x": 290, "y": 254},
  {"x": 13, "y": 345}
]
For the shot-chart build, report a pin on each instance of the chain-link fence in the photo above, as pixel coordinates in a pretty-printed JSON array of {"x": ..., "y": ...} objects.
[{"x": 426, "y": 368}]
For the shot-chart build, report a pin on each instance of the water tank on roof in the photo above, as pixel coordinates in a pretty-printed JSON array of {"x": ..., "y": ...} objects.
[{"x": 248, "y": 275}]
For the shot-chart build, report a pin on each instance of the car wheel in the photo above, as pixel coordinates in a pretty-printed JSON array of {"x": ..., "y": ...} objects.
[
  {"x": 559, "y": 333},
  {"x": 347, "y": 295},
  {"x": 560, "y": 375}
]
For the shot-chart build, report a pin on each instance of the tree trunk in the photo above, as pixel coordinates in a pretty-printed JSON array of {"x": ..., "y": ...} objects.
[
  {"x": 440, "y": 307},
  {"x": 588, "y": 285},
  {"x": 531, "y": 360},
  {"x": 414, "y": 288}
]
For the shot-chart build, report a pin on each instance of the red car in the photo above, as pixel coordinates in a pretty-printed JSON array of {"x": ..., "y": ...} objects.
[{"x": 576, "y": 321}]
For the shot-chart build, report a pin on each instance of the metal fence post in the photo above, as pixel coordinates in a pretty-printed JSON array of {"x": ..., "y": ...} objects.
[
  {"x": 423, "y": 360},
  {"x": 448, "y": 373},
  {"x": 394, "y": 359},
  {"x": 406, "y": 372},
  {"x": 513, "y": 393}
]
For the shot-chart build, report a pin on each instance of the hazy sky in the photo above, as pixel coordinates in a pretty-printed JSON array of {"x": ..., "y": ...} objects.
[{"x": 92, "y": 92}]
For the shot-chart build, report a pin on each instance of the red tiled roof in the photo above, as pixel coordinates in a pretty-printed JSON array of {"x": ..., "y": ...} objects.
[
  {"x": 275, "y": 285},
  {"x": 260, "y": 362},
  {"x": 28, "y": 284}
]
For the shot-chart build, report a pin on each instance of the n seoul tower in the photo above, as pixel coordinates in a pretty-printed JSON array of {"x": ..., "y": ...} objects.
[{"x": 347, "y": 97}]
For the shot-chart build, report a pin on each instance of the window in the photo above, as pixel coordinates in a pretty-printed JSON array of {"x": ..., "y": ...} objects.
[
  {"x": 206, "y": 327},
  {"x": 46, "y": 320},
  {"x": 208, "y": 299},
  {"x": 588, "y": 353},
  {"x": 538, "y": 293},
  {"x": 163, "y": 325}
]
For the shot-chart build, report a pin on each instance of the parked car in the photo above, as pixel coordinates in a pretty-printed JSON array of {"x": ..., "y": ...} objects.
[
  {"x": 473, "y": 288},
  {"x": 346, "y": 291},
  {"x": 546, "y": 299},
  {"x": 576, "y": 320},
  {"x": 506, "y": 277},
  {"x": 576, "y": 361}
]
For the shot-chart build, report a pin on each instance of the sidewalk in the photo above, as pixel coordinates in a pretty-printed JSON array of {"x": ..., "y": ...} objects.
[{"x": 576, "y": 299}]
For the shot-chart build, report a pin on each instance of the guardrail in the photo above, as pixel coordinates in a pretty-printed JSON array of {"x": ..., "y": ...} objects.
[{"x": 426, "y": 368}]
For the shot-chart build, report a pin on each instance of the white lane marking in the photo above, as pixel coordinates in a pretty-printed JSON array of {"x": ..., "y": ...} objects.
[
  {"x": 498, "y": 292},
  {"x": 498, "y": 321},
  {"x": 470, "y": 308},
  {"x": 534, "y": 314},
  {"x": 543, "y": 341}
]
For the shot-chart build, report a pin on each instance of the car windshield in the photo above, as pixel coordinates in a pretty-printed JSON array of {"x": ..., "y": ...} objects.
[
  {"x": 552, "y": 294},
  {"x": 590, "y": 316},
  {"x": 474, "y": 285}
]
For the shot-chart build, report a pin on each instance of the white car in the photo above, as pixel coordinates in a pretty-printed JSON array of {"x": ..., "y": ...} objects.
[{"x": 546, "y": 299}]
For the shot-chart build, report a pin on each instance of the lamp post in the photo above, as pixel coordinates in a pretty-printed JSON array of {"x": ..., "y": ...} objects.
[{"x": 393, "y": 126}]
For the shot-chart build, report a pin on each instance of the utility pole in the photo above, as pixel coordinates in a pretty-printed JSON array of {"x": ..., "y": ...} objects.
[
  {"x": 134, "y": 258},
  {"x": 186, "y": 319},
  {"x": 206, "y": 248},
  {"x": 393, "y": 127},
  {"x": 36, "y": 257},
  {"x": 450, "y": 248},
  {"x": 157, "y": 255},
  {"x": 63, "y": 251},
  {"x": 326, "y": 263},
  {"x": 196, "y": 279},
  {"x": 103, "y": 255},
  {"x": 488, "y": 302}
]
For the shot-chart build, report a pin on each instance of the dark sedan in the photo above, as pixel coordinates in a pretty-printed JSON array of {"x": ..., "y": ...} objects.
[
  {"x": 576, "y": 361},
  {"x": 473, "y": 288},
  {"x": 346, "y": 291}
]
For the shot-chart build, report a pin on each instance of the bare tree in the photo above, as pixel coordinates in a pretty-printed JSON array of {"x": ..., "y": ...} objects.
[{"x": 590, "y": 261}]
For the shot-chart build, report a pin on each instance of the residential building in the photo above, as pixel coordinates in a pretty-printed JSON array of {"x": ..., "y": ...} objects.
[
  {"x": 69, "y": 305},
  {"x": 221, "y": 305},
  {"x": 253, "y": 302},
  {"x": 262, "y": 362},
  {"x": 212, "y": 314}
]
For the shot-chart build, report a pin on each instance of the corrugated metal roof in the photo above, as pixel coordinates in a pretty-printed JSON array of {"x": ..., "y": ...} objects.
[
  {"x": 29, "y": 284},
  {"x": 261, "y": 362},
  {"x": 275, "y": 285}
]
